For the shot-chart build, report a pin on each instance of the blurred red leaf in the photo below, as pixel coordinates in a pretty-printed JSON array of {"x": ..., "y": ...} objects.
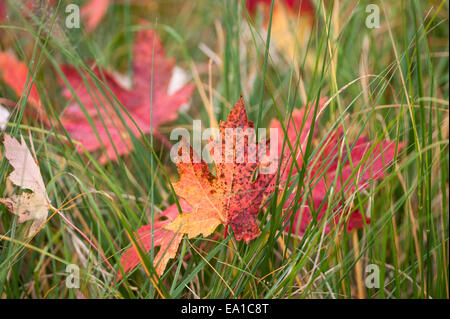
[
  {"x": 148, "y": 102},
  {"x": 324, "y": 168}
]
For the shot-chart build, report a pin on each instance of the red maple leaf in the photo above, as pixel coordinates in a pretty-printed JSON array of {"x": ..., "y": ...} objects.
[
  {"x": 323, "y": 168},
  {"x": 148, "y": 102}
]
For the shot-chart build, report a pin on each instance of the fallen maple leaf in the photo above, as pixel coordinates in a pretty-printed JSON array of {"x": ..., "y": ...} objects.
[
  {"x": 153, "y": 236},
  {"x": 15, "y": 73},
  {"x": 26, "y": 174},
  {"x": 230, "y": 197},
  {"x": 148, "y": 102},
  {"x": 323, "y": 169}
]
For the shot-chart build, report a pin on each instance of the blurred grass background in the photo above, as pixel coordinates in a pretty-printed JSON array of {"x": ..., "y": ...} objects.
[{"x": 389, "y": 82}]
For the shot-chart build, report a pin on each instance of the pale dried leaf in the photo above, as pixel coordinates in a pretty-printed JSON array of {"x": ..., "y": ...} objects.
[
  {"x": 27, "y": 206},
  {"x": 26, "y": 172}
]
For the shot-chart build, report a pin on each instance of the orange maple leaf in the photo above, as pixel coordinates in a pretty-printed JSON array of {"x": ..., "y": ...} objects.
[{"x": 231, "y": 197}]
